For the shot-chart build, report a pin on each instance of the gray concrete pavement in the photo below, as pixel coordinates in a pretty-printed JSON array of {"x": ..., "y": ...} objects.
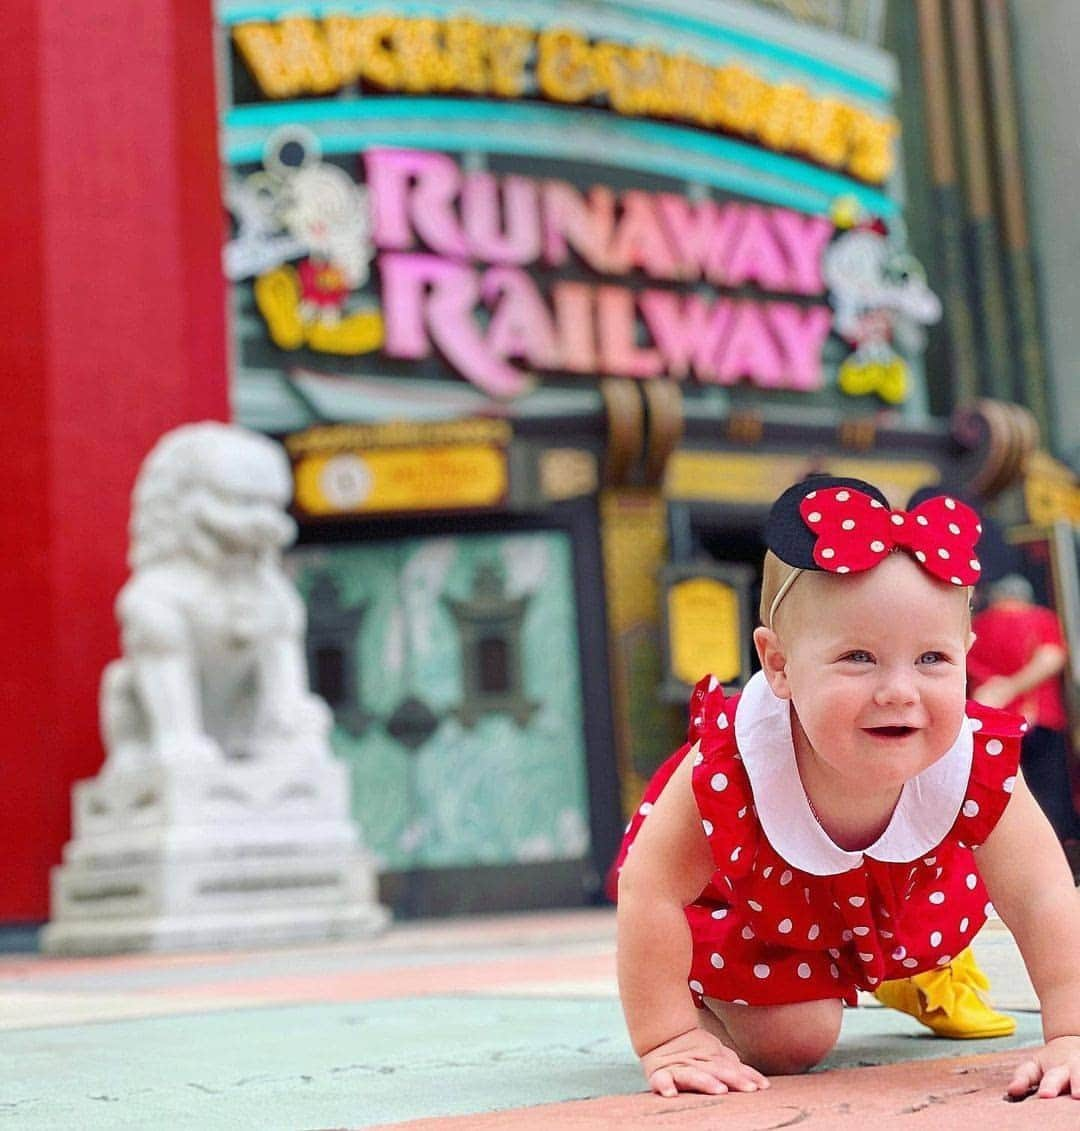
[{"x": 435, "y": 1019}]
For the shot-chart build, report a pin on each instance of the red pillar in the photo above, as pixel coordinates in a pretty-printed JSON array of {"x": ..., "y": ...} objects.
[{"x": 112, "y": 331}]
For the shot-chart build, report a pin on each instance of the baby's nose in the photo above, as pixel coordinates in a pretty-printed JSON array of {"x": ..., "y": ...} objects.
[{"x": 896, "y": 686}]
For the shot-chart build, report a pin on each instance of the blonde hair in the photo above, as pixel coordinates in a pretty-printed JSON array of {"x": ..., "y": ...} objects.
[{"x": 777, "y": 579}]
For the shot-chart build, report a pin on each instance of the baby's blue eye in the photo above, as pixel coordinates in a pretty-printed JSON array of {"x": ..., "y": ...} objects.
[
  {"x": 932, "y": 658},
  {"x": 859, "y": 656}
]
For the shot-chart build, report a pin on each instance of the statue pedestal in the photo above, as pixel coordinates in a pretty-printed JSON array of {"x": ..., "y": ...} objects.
[{"x": 212, "y": 856}]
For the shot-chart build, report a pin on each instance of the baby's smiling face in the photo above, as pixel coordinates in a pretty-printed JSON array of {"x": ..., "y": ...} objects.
[{"x": 874, "y": 665}]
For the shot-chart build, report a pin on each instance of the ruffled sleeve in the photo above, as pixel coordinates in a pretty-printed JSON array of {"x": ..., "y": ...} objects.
[
  {"x": 996, "y": 756},
  {"x": 712, "y": 718},
  {"x": 721, "y": 787}
]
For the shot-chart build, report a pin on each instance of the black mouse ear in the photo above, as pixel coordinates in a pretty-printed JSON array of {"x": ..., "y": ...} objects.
[
  {"x": 787, "y": 535},
  {"x": 932, "y": 492}
]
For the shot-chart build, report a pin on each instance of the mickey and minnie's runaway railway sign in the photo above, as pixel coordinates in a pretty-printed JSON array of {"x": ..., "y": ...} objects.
[{"x": 486, "y": 263}]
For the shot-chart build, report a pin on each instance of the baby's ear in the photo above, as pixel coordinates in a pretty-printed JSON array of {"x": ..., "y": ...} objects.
[
  {"x": 971, "y": 638},
  {"x": 773, "y": 661}
]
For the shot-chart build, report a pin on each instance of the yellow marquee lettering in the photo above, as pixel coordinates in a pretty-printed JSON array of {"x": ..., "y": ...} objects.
[
  {"x": 871, "y": 147},
  {"x": 688, "y": 83},
  {"x": 465, "y": 47},
  {"x": 300, "y": 55},
  {"x": 826, "y": 138},
  {"x": 509, "y": 48},
  {"x": 258, "y": 47},
  {"x": 286, "y": 58},
  {"x": 425, "y": 65},
  {"x": 377, "y": 62},
  {"x": 737, "y": 99},
  {"x": 773, "y": 126},
  {"x": 344, "y": 46},
  {"x": 564, "y": 66},
  {"x": 663, "y": 96},
  {"x": 785, "y": 122},
  {"x": 307, "y": 56},
  {"x": 628, "y": 76}
]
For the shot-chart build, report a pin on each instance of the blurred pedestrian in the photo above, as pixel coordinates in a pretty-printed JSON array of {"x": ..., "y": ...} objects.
[{"x": 1016, "y": 663}]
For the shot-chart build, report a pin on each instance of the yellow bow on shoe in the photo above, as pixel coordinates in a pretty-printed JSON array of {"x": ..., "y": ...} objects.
[{"x": 950, "y": 1001}]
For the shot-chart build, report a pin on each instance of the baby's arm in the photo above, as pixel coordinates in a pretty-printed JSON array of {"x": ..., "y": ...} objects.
[
  {"x": 1030, "y": 884},
  {"x": 668, "y": 866}
]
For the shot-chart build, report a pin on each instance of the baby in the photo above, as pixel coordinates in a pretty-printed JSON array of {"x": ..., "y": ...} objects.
[{"x": 845, "y": 820}]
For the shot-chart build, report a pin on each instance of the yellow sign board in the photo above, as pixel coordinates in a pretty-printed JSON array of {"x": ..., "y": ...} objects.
[
  {"x": 324, "y": 438},
  {"x": 745, "y": 478},
  {"x": 703, "y": 618},
  {"x": 391, "y": 480},
  {"x": 1051, "y": 491}
]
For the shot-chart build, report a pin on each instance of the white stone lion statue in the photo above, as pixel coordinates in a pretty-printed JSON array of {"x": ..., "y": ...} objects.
[{"x": 213, "y": 669}]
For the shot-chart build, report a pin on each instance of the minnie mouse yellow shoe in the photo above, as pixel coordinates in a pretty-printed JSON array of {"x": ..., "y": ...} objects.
[{"x": 951, "y": 1001}]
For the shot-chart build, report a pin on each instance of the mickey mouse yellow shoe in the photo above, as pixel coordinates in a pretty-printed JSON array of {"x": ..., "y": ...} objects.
[{"x": 950, "y": 1001}]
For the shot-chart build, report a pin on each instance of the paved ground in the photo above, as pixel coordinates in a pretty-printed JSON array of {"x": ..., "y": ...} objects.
[{"x": 484, "y": 1023}]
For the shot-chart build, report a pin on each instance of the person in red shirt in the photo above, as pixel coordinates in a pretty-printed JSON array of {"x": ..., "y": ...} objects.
[{"x": 1016, "y": 664}]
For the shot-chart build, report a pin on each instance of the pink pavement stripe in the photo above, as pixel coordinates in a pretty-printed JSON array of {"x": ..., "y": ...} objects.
[
  {"x": 542, "y": 928},
  {"x": 960, "y": 1092},
  {"x": 536, "y": 926},
  {"x": 404, "y": 981},
  {"x": 28, "y": 969}
]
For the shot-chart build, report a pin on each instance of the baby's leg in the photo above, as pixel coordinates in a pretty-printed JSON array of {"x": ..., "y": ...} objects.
[{"x": 778, "y": 1040}]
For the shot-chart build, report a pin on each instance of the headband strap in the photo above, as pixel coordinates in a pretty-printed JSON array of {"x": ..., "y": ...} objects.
[{"x": 781, "y": 593}]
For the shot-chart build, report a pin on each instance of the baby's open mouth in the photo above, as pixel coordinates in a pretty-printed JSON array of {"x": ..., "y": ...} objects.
[{"x": 891, "y": 732}]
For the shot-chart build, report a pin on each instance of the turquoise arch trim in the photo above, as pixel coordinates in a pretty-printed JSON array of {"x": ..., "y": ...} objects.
[
  {"x": 720, "y": 162},
  {"x": 829, "y": 73}
]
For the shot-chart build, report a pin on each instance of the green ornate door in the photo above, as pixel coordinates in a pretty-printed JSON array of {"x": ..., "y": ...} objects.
[{"x": 452, "y": 665}]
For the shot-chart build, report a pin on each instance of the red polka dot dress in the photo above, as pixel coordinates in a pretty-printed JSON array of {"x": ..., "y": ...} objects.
[{"x": 790, "y": 916}]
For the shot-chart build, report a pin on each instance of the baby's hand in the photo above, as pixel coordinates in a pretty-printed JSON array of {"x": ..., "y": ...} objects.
[
  {"x": 1055, "y": 1068},
  {"x": 698, "y": 1062}
]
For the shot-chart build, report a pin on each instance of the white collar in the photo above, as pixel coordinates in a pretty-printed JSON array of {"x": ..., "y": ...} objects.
[{"x": 928, "y": 805}]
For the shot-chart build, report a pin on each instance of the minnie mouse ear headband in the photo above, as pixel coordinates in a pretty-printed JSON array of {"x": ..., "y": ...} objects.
[{"x": 842, "y": 526}]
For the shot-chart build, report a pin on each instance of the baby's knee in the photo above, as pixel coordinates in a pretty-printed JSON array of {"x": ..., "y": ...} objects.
[
  {"x": 791, "y": 1054},
  {"x": 792, "y": 1039}
]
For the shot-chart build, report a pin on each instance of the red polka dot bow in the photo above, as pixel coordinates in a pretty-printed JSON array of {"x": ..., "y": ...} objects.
[{"x": 855, "y": 532}]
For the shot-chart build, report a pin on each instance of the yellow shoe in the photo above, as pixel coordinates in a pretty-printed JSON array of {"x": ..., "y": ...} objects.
[{"x": 949, "y": 1001}]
